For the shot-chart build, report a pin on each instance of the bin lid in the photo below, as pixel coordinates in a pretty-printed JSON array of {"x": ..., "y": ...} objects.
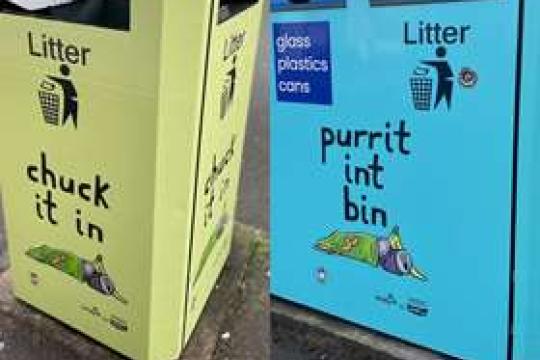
[{"x": 32, "y": 5}]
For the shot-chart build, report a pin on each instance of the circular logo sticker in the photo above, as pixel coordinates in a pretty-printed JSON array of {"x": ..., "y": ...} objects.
[
  {"x": 468, "y": 78},
  {"x": 321, "y": 275}
]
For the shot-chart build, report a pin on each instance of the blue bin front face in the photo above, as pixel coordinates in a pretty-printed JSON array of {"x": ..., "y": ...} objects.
[{"x": 392, "y": 137}]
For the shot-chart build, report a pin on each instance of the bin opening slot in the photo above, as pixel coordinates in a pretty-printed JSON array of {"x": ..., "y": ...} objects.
[
  {"x": 294, "y": 5},
  {"x": 230, "y": 8},
  {"x": 112, "y": 14},
  {"x": 381, "y": 3}
]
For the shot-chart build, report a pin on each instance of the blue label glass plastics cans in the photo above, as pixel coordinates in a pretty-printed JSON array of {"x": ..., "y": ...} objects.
[
  {"x": 302, "y": 62},
  {"x": 408, "y": 203}
]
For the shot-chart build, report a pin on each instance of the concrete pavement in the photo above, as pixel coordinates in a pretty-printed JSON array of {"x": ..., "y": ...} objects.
[{"x": 302, "y": 334}]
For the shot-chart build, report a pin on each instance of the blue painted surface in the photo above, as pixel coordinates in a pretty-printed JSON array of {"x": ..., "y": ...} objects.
[
  {"x": 449, "y": 190},
  {"x": 527, "y": 301}
]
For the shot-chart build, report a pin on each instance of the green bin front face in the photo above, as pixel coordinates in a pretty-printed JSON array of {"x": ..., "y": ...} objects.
[
  {"x": 77, "y": 168},
  {"x": 105, "y": 156}
]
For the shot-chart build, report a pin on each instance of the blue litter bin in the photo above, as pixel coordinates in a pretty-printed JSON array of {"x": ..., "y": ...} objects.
[{"x": 404, "y": 169}]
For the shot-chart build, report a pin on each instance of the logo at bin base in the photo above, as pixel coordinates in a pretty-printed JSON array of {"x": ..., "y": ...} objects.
[
  {"x": 432, "y": 82},
  {"x": 58, "y": 99}
]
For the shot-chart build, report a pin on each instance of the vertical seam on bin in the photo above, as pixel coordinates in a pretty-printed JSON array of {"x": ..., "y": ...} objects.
[
  {"x": 515, "y": 173},
  {"x": 197, "y": 163}
]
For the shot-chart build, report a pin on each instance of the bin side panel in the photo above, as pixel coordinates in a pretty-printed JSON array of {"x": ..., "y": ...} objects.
[
  {"x": 527, "y": 276},
  {"x": 228, "y": 95},
  {"x": 407, "y": 234},
  {"x": 183, "y": 60}
]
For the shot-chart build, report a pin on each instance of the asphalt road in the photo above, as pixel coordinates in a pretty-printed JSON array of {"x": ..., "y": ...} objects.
[
  {"x": 3, "y": 254},
  {"x": 253, "y": 199}
]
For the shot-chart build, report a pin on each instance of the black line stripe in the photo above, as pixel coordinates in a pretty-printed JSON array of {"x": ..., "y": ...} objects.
[
  {"x": 338, "y": 4},
  {"x": 197, "y": 165},
  {"x": 515, "y": 173}
]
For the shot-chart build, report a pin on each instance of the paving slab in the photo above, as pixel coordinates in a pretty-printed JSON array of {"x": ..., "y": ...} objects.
[
  {"x": 234, "y": 325},
  {"x": 299, "y": 333}
]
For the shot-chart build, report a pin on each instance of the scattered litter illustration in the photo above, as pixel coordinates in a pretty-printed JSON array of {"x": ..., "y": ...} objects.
[
  {"x": 92, "y": 273},
  {"x": 386, "y": 253}
]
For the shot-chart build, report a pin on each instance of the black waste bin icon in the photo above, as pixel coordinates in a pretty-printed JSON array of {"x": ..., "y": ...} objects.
[
  {"x": 225, "y": 98},
  {"x": 421, "y": 89},
  {"x": 49, "y": 100}
]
